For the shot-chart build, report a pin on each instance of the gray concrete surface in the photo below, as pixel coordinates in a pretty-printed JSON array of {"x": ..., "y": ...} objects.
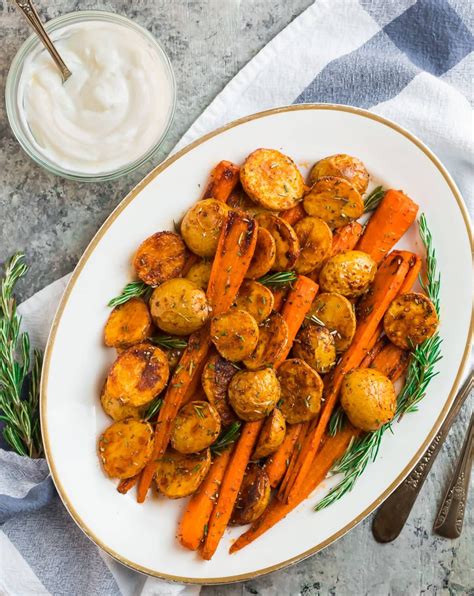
[{"x": 52, "y": 220}]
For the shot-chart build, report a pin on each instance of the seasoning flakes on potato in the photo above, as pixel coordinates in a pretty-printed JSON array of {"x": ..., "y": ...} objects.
[
  {"x": 199, "y": 273},
  {"x": 253, "y": 497},
  {"x": 138, "y": 375},
  {"x": 179, "y": 307},
  {"x": 129, "y": 323},
  {"x": 234, "y": 334},
  {"x": 342, "y": 166},
  {"x": 256, "y": 299},
  {"x": 264, "y": 256},
  {"x": 272, "y": 341},
  {"x": 272, "y": 179},
  {"x": 410, "y": 320},
  {"x": 316, "y": 346},
  {"x": 202, "y": 224},
  {"x": 337, "y": 314},
  {"x": 349, "y": 273},
  {"x": 315, "y": 238},
  {"x": 271, "y": 436},
  {"x": 334, "y": 200},
  {"x": 195, "y": 428},
  {"x": 286, "y": 241},
  {"x": 125, "y": 448},
  {"x": 216, "y": 376},
  {"x": 301, "y": 391},
  {"x": 118, "y": 410},
  {"x": 159, "y": 258},
  {"x": 179, "y": 475},
  {"x": 254, "y": 394}
]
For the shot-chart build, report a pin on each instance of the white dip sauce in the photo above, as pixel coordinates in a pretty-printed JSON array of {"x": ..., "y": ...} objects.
[{"x": 112, "y": 109}]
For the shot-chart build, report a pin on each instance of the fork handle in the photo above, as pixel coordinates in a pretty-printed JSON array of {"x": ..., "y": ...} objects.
[{"x": 393, "y": 513}]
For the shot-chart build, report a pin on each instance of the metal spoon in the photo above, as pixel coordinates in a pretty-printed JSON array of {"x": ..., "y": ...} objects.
[{"x": 28, "y": 9}]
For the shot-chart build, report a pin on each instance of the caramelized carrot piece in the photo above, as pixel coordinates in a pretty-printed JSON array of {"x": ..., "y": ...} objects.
[
  {"x": 222, "y": 181},
  {"x": 126, "y": 484},
  {"x": 277, "y": 464},
  {"x": 391, "y": 361},
  {"x": 346, "y": 237},
  {"x": 294, "y": 214}
]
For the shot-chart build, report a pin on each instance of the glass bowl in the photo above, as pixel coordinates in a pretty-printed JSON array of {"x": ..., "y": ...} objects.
[{"x": 19, "y": 126}]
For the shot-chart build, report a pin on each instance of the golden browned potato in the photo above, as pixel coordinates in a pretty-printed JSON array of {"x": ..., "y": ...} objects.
[
  {"x": 254, "y": 394},
  {"x": 195, "y": 428},
  {"x": 125, "y": 447},
  {"x": 179, "y": 307},
  {"x": 199, "y": 273},
  {"x": 118, "y": 410},
  {"x": 334, "y": 200},
  {"x": 301, "y": 391},
  {"x": 256, "y": 299},
  {"x": 253, "y": 497},
  {"x": 410, "y": 320},
  {"x": 216, "y": 377},
  {"x": 342, "y": 166},
  {"x": 128, "y": 324},
  {"x": 286, "y": 241},
  {"x": 235, "y": 334},
  {"x": 138, "y": 375},
  {"x": 272, "y": 179},
  {"x": 316, "y": 346},
  {"x": 368, "y": 398},
  {"x": 264, "y": 255},
  {"x": 349, "y": 273},
  {"x": 337, "y": 314},
  {"x": 271, "y": 436},
  {"x": 315, "y": 239},
  {"x": 179, "y": 475},
  {"x": 202, "y": 224},
  {"x": 272, "y": 341},
  {"x": 159, "y": 258}
]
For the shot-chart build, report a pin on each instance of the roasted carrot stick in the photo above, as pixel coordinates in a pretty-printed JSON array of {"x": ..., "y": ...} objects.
[
  {"x": 294, "y": 456},
  {"x": 277, "y": 464},
  {"x": 371, "y": 310},
  {"x": 230, "y": 487},
  {"x": 294, "y": 214},
  {"x": 234, "y": 253},
  {"x": 194, "y": 522},
  {"x": 279, "y": 295},
  {"x": 125, "y": 485},
  {"x": 346, "y": 237},
  {"x": 191, "y": 259},
  {"x": 222, "y": 181},
  {"x": 391, "y": 361},
  {"x": 412, "y": 275},
  {"x": 373, "y": 351},
  {"x": 332, "y": 450},
  {"x": 392, "y": 218}
]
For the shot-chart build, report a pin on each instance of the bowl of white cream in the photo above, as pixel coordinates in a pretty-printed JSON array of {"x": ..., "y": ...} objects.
[{"x": 110, "y": 116}]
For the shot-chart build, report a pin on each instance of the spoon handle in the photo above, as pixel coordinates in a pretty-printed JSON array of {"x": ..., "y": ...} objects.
[
  {"x": 28, "y": 9},
  {"x": 451, "y": 513}
]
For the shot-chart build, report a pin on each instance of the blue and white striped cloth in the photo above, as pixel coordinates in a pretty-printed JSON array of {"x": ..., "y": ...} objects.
[{"x": 409, "y": 60}]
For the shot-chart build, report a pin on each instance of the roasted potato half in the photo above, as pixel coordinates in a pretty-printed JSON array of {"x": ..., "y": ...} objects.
[
  {"x": 349, "y": 273},
  {"x": 301, "y": 391},
  {"x": 334, "y": 200},
  {"x": 315, "y": 238},
  {"x": 316, "y": 346},
  {"x": 179, "y": 307},
  {"x": 342, "y": 166},
  {"x": 138, "y": 374},
  {"x": 264, "y": 256},
  {"x": 272, "y": 179},
  {"x": 256, "y": 299},
  {"x": 216, "y": 377},
  {"x": 272, "y": 341},
  {"x": 286, "y": 241},
  {"x": 202, "y": 225},
  {"x": 199, "y": 273},
  {"x": 253, "y": 497},
  {"x": 179, "y": 475},
  {"x": 159, "y": 258},
  {"x": 410, "y": 320},
  {"x": 254, "y": 394},
  {"x": 271, "y": 436},
  {"x": 117, "y": 410},
  {"x": 368, "y": 398},
  {"x": 337, "y": 314},
  {"x": 195, "y": 428},
  {"x": 125, "y": 447},
  {"x": 235, "y": 334},
  {"x": 128, "y": 324}
]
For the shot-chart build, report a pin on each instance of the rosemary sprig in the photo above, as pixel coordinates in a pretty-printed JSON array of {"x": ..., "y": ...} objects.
[
  {"x": 19, "y": 388},
  {"x": 278, "y": 279},
  {"x": 168, "y": 342},
  {"x": 337, "y": 421},
  {"x": 226, "y": 438},
  {"x": 421, "y": 370},
  {"x": 372, "y": 201},
  {"x": 134, "y": 289},
  {"x": 314, "y": 319},
  {"x": 153, "y": 408}
]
